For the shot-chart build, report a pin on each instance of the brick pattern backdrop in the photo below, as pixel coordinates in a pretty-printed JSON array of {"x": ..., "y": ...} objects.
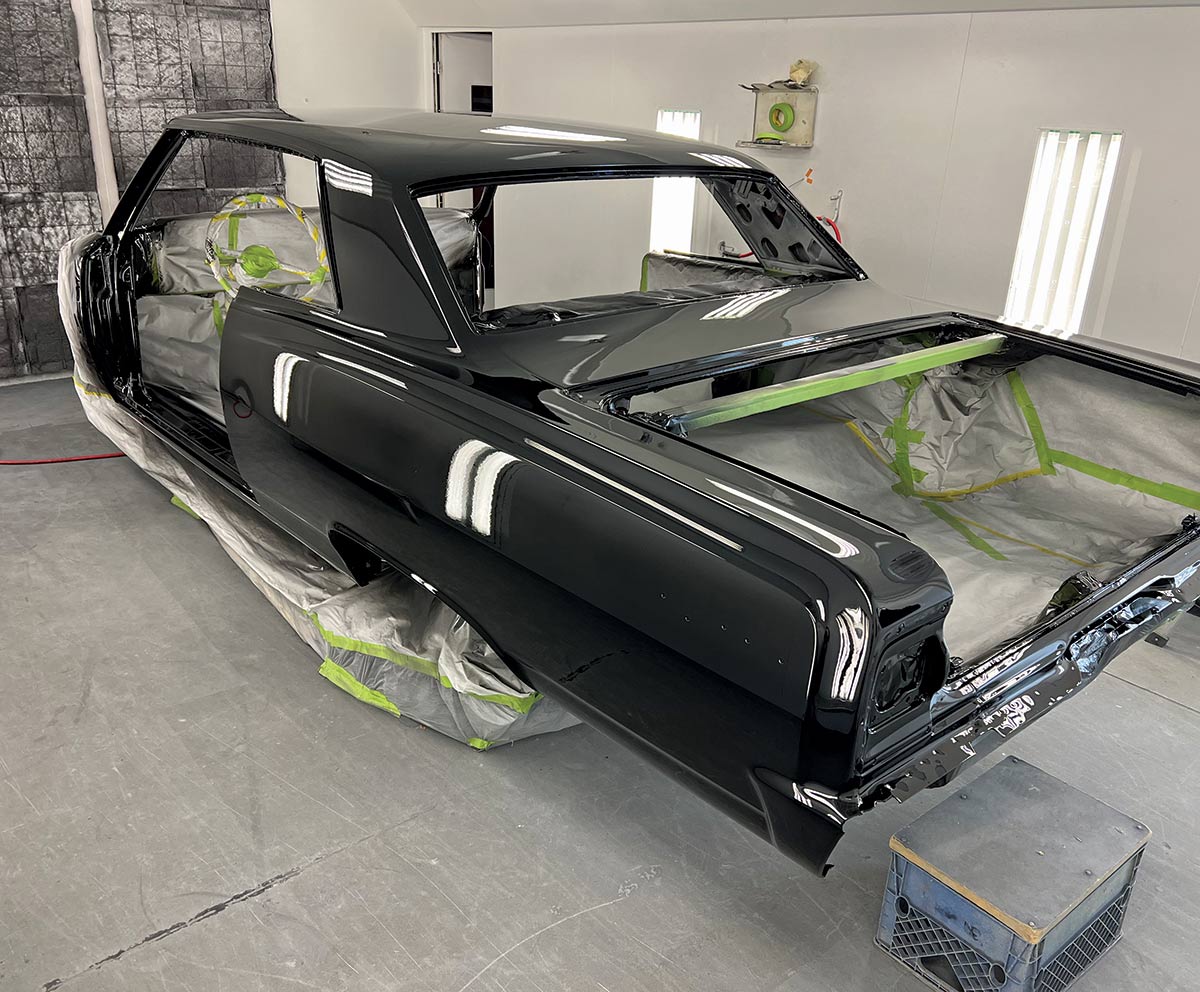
[
  {"x": 47, "y": 181},
  {"x": 159, "y": 59},
  {"x": 164, "y": 58}
]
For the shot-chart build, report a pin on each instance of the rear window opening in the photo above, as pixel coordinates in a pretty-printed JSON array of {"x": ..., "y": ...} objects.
[
  {"x": 1029, "y": 477},
  {"x": 530, "y": 253}
]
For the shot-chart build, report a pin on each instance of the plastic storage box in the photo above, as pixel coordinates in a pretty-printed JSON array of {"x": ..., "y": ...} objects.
[{"x": 1015, "y": 883}]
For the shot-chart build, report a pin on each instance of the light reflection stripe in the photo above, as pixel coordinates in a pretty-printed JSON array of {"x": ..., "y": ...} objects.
[
  {"x": 725, "y": 160},
  {"x": 852, "y": 652},
  {"x": 344, "y": 177},
  {"x": 461, "y": 467},
  {"x": 281, "y": 392},
  {"x": 363, "y": 368},
  {"x": 743, "y": 306},
  {"x": 837, "y": 546},
  {"x": 525, "y": 131},
  {"x": 640, "y": 497},
  {"x": 359, "y": 344},
  {"x": 483, "y": 502}
]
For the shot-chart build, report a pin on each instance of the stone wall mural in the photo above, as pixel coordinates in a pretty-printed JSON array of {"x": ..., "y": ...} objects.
[
  {"x": 47, "y": 179},
  {"x": 158, "y": 60}
]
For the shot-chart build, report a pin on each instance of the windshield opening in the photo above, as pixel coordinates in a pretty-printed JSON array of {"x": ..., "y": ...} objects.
[{"x": 530, "y": 253}]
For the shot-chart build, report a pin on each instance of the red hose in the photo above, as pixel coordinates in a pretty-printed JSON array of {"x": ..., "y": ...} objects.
[
  {"x": 833, "y": 224},
  {"x": 57, "y": 461}
]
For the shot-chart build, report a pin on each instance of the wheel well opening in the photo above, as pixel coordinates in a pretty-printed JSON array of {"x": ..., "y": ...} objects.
[{"x": 362, "y": 562}]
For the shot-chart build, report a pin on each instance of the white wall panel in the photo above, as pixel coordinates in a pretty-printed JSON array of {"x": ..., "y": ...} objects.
[
  {"x": 357, "y": 53},
  {"x": 929, "y": 123},
  {"x": 883, "y": 121},
  {"x": 1122, "y": 70},
  {"x": 353, "y": 53},
  {"x": 542, "y": 13}
]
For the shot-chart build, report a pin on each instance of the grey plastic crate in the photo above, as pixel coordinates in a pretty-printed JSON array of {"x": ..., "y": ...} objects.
[{"x": 1017, "y": 883}]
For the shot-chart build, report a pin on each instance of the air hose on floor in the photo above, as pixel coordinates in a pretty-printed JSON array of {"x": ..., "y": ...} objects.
[{"x": 57, "y": 461}]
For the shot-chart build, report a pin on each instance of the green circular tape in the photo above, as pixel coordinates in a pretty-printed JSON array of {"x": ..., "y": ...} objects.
[{"x": 782, "y": 116}]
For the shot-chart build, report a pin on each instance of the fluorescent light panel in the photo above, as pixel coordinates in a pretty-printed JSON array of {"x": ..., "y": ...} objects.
[
  {"x": 524, "y": 131},
  {"x": 1056, "y": 251},
  {"x": 674, "y": 198}
]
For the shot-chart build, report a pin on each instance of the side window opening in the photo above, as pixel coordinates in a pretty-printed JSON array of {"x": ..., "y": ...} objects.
[
  {"x": 461, "y": 224},
  {"x": 218, "y": 220}
]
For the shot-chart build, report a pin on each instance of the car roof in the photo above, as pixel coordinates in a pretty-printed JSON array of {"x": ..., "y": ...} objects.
[{"x": 412, "y": 148}]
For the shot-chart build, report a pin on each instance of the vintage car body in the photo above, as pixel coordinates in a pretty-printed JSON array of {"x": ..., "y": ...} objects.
[{"x": 700, "y": 609}]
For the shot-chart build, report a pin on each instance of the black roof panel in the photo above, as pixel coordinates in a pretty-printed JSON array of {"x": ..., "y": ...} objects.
[{"x": 411, "y": 147}]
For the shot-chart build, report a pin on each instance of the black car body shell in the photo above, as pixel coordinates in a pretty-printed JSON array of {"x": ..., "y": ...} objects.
[{"x": 676, "y": 599}]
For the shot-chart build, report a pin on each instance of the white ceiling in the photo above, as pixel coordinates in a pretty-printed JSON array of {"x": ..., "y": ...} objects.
[{"x": 546, "y": 13}]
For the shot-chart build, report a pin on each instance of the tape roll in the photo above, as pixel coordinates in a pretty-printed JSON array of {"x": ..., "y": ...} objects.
[{"x": 782, "y": 116}]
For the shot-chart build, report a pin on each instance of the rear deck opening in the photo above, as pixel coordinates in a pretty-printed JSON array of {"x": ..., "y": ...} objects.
[{"x": 1028, "y": 476}]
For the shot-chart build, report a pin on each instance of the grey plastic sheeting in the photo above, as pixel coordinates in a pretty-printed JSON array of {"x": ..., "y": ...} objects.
[
  {"x": 182, "y": 268},
  {"x": 179, "y": 326},
  {"x": 1010, "y": 498},
  {"x": 180, "y": 346},
  {"x": 454, "y": 232},
  {"x": 391, "y": 643},
  {"x": 667, "y": 271}
]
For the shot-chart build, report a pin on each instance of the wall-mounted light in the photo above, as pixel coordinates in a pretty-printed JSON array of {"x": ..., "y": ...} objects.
[
  {"x": 673, "y": 202},
  {"x": 1060, "y": 229}
]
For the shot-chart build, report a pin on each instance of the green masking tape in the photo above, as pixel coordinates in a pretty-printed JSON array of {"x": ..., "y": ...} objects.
[
  {"x": 1161, "y": 490},
  {"x": 347, "y": 682},
  {"x": 519, "y": 704},
  {"x": 782, "y": 116},
  {"x": 1025, "y": 405},
  {"x": 971, "y": 537}
]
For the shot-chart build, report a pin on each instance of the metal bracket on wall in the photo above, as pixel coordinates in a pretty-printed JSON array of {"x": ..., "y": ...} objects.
[{"x": 836, "y": 200}]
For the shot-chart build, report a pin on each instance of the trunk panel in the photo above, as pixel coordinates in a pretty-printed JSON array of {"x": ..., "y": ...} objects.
[{"x": 1015, "y": 471}]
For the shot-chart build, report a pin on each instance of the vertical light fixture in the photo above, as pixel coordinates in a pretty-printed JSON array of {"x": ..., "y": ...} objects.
[
  {"x": 674, "y": 198},
  {"x": 1060, "y": 229}
]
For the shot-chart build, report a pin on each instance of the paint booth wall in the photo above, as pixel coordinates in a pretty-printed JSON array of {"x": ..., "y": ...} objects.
[
  {"x": 47, "y": 181},
  {"x": 157, "y": 61},
  {"x": 929, "y": 123},
  {"x": 360, "y": 53}
]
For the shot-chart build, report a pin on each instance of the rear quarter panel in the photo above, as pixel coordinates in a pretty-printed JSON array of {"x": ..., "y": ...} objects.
[{"x": 673, "y": 631}]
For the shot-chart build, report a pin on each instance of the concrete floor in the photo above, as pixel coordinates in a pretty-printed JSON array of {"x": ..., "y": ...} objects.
[{"x": 185, "y": 804}]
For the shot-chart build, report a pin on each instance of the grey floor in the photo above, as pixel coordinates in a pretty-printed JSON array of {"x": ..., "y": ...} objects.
[{"x": 185, "y": 804}]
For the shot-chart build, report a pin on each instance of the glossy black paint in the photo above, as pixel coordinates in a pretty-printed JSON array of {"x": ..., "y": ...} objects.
[{"x": 678, "y": 600}]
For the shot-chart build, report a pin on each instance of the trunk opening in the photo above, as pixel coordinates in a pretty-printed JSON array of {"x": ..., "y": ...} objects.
[{"x": 1031, "y": 478}]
